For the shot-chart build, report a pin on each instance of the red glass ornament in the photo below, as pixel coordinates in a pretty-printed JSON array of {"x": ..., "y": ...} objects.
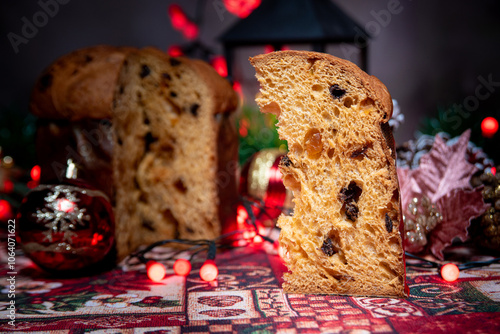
[
  {"x": 66, "y": 227},
  {"x": 261, "y": 179}
]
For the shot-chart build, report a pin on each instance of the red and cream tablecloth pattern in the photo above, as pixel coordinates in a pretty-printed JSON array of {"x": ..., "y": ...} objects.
[{"x": 246, "y": 298}]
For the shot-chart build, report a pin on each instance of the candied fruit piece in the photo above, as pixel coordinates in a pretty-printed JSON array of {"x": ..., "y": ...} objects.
[
  {"x": 271, "y": 108},
  {"x": 313, "y": 143},
  {"x": 291, "y": 183}
]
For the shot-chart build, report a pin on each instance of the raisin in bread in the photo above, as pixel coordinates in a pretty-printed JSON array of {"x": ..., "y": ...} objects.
[
  {"x": 175, "y": 155},
  {"x": 343, "y": 237}
]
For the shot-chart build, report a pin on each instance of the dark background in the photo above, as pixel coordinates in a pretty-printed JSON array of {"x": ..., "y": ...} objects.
[{"x": 430, "y": 55}]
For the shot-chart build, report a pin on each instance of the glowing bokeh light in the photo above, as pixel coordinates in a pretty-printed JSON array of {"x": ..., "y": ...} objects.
[
  {"x": 209, "y": 271},
  {"x": 35, "y": 173},
  {"x": 450, "y": 272},
  {"x": 489, "y": 126},
  {"x": 65, "y": 205},
  {"x": 182, "y": 267},
  {"x": 156, "y": 271}
]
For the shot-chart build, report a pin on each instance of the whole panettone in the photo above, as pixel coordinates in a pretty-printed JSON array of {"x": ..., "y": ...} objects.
[
  {"x": 79, "y": 85},
  {"x": 72, "y": 99},
  {"x": 86, "y": 102}
]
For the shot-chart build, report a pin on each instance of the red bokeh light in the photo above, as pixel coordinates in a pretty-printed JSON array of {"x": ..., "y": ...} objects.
[
  {"x": 450, "y": 272},
  {"x": 257, "y": 239},
  {"x": 489, "y": 126},
  {"x": 237, "y": 88},
  {"x": 281, "y": 252},
  {"x": 35, "y": 173},
  {"x": 241, "y": 8},
  {"x": 182, "y": 267},
  {"x": 493, "y": 170},
  {"x": 175, "y": 51},
  {"x": 249, "y": 235},
  {"x": 32, "y": 184},
  {"x": 243, "y": 130},
  {"x": 156, "y": 271},
  {"x": 95, "y": 239},
  {"x": 8, "y": 186},
  {"x": 65, "y": 205},
  {"x": 242, "y": 216},
  {"x": 209, "y": 271},
  {"x": 177, "y": 17},
  {"x": 220, "y": 65},
  {"x": 5, "y": 210},
  {"x": 190, "y": 31},
  {"x": 268, "y": 48}
]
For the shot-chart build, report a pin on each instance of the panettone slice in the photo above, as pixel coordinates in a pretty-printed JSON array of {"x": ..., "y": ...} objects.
[{"x": 344, "y": 235}]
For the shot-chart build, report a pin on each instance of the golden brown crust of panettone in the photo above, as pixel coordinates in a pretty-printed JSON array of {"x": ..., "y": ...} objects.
[
  {"x": 79, "y": 85},
  {"x": 343, "y": 237},
  {"x": 169, "y": 114}
]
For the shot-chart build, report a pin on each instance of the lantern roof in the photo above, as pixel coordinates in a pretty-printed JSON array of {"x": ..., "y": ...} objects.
[{"x": 294, "y": 21}]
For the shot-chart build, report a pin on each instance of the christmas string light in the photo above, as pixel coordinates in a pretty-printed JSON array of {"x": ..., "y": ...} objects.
[
  {"x": 35, "y": 173},
  {"x": 182, "y": 267},
  {"x": 489, "y": 127},
  {"x": 209, "y": 271},
  {"x": 448, "y": 271},
  {"x": 155, "y": 270},
  {"x": 249, "y": 232}
]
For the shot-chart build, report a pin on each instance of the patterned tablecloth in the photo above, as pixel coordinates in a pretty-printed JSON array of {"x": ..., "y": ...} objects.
[{"x": 246, "y": 298}]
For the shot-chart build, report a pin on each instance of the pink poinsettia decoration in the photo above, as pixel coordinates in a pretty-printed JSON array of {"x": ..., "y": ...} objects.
[{"x": 437, "y": 199}]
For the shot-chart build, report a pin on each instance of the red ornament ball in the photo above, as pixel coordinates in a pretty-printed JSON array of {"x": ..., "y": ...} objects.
[
  {"x": 66, "y": 227},
  {"x": 261, "y": 179}
]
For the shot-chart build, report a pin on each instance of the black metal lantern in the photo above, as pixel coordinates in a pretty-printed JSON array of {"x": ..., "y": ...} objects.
[{"x": 280, "y": 22}]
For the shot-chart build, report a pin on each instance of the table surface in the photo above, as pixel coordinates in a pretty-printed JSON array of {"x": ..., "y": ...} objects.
[{"x": 246, "y": 298}]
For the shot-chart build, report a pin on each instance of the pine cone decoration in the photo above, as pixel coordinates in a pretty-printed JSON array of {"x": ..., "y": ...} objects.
[
  {"x": 486, "y": 229},
  {"x": 410, "y": 152}
]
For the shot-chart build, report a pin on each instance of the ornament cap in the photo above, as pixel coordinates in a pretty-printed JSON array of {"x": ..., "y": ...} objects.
[{"x": 71, "y": 170}]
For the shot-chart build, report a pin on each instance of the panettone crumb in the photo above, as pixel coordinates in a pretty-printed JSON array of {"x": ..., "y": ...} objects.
[{"x": 343, "y": 236}]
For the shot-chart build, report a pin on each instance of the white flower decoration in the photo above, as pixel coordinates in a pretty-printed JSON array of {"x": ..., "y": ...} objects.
[
  {"x": 33, "y": 287},
  {"x": 118, "y": 301}
]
